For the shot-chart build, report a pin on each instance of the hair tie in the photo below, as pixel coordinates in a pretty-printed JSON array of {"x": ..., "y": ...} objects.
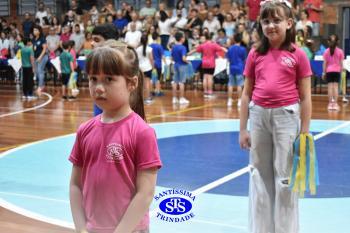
[{"x": 286, "y": 2}]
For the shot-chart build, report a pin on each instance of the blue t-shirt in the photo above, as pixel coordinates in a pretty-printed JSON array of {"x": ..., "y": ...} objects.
[
  {"x": 236, "y": 55},
  {"x": 177, "y": 52},
  {"x": 157, "y": 52},
  {"x": 120, "y": 23},
  {"x": 38, "y": 46}
]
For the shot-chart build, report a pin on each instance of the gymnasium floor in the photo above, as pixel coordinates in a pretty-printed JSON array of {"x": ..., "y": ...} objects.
[{"x": 199, "y": 148}]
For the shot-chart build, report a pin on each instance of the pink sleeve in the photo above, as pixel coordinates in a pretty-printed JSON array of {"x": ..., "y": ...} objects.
[
  {"x": 303, "y": 67},
  {"x": 76, "y": 153},
  {"x": 199, "y": 49},
  {"x": 147, "y": 153},
  {"x": 249, "y": 69}
]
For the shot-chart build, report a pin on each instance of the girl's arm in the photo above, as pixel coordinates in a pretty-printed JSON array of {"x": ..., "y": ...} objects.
[
  {"x": 305, "y": 103},
  {"x": 139, "y": 205},
  {"x": 42, "y": 52},
  {"x": 32, "y": 61},
  {"x": 76, "y": 200},
  {"x": 244, "y": 138},
  {"x": 324, "y": 65}
]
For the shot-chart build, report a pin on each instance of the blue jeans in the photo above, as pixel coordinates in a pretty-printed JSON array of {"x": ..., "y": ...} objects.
[{"x": 40, "y": 70}]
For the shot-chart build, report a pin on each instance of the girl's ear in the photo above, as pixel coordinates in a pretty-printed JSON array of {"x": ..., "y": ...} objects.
[
  {"x": 290, "y": 23},
  {"x": 133, "y": 83}
]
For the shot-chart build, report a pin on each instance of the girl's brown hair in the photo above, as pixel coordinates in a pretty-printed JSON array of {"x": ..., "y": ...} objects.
[
  {"x": 333, "y": 43},
  {"x": 276, "y": 9},
  {"x": 116, "y": 58}
]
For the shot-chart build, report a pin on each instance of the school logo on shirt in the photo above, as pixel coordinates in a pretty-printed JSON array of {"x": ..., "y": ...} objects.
[
  {"x": 114, "y": 152},
  {"x": 288, "y": 61},
  {"x": 175, "y": 205}
]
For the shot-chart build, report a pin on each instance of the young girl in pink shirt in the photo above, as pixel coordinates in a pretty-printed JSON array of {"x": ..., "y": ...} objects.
[
  {"x": 115, "y": 156},
  {"x": 277, "y": 96},
  {"x": 332, "y": 68},
  {"x": 208, "y": 49}
]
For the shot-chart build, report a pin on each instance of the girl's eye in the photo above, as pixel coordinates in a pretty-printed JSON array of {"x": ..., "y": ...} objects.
[
  {"x": 92, "y": 79},
  {"x": 109, "y": 79}
]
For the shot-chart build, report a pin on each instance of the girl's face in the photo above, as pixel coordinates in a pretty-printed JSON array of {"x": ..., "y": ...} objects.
[
  {"x": 110, "y": 92},
  {"x": 275, "y": 28},
  {"x": 36, "y": 32}
]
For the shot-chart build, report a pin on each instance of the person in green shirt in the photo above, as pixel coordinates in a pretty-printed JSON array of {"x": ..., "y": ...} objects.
[
  {"x": 67, "y": 68},
  {"x": 27, "y": 58}
]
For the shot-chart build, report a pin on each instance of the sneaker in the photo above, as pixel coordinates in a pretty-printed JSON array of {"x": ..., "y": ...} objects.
[
  {"x": 330, "y": 106},
  {"x": 336, "y": 107},
  {"x": 31, "y": 97},
  {"x": 148, "y": 101},
  {"x": 239, "y": 103},
  {"x": 71, "y": 98},
  {"x": 345, "y": 100},
  {"x": 24, "y": 97},
  {"x": 64, "y": 97},
  {"x": 229, "y": 102},
  {"x": 175, "y": 100},
  {"x": 184, "y": 101}
]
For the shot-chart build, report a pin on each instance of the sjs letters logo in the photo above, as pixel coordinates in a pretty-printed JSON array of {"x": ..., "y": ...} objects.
[{"x": 174, "y": 205}]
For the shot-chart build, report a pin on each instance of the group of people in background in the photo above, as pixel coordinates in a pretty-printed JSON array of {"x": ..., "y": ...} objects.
[{"x": 152, "y": 31}]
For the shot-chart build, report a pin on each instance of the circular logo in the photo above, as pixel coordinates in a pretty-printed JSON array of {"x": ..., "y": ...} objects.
[{"x": 114, "y": 152}]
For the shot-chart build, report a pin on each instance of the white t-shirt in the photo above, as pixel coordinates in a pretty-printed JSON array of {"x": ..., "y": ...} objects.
[
  {"x": 133, "y": 38},
  {"x": 144, "y": 61},
  {"x": 40, "y": 15},
  {"x": 165, "y": 27},
  {"x": 213, "y": 26},
  {"x": 138, "y": 26}
]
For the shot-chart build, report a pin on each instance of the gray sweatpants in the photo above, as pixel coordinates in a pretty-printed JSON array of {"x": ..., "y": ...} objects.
[{"x": 273, "y": 208}]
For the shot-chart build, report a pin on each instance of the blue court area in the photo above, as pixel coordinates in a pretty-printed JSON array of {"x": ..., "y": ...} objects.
[{"x": 35, "y": 178}]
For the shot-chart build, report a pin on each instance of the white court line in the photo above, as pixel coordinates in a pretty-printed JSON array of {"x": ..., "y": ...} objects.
[
  {"x": 35, "y": 216},
  {"x": 219, "y": 224},
  {"x": 30, "y": 109},
  {"x": 331, "y": 130},
  {"x": 34, "y": 197}
]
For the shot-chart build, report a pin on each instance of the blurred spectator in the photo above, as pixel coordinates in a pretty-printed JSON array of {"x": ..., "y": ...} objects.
[
  {"x": 120, "y": 22},
  {"x": 253, "y": 10},
  {"x": 94, "y": 14},
  {"x": 27, "y": 24},
  {"x": 203, "y": 10},
  {"x": 180, "y": 6},
  {"x": 66, "y": 32},
  {"x": 304, "y": 21},
  {"x": 78, "y": 37},
  {"x": 56, "y": 25},
  {"x": 314, "y": 8},
  {"x": 76, "y": 8},
  {"x": 217, "y": 14},
  {"x": 4, "y": 42},
  {"x": 147, "y": 10},
  {"x": 193, "y": 20},
  {"x": 53, "y": 43},
  {"x": 229, "y": 25},
  {"x": 41, "y": 13},
  {"x": 133, "y": 36},
  {"x": 69, "y": 19},
  {"x": 136, "y": 21},
  {"x": 212, "y": 24},
  {"x": 5, "y": 27}
]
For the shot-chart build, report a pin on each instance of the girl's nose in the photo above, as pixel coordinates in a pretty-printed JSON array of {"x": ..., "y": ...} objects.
[{"x": 99, "y": 88}]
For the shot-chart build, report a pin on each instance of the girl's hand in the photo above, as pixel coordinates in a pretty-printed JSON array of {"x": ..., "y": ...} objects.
[
  {"x": 324, "y": 76},
  {"x": 244, "y": 139}
]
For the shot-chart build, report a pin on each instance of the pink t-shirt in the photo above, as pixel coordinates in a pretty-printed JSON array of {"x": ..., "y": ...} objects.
[
  {"x": 110, "y": 156},
  {"x": 334, "y": 63},
  {"x": 208, "y": 51},
  {"x": 276, "y": 75}
]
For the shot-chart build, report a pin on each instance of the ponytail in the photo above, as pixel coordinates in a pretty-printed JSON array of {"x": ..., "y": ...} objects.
[{"x": 136, "y": 98}]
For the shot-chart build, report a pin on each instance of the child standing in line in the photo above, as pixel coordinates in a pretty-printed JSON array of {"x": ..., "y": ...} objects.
[
  {"x": 27, "y": 58},
  {"x": 158, "y": 57},
  {"x": 332, "y": 68},
  {"x": 208, "y": 49},
  {"x": 115, "y": 156},
  {"x": 277, "y": 95},
  {"x": 236, "y": 55},
  {"x": 67, "y": 68},
  {"x": 144, "y": 53},
  {"x": 178, "y": 54}
]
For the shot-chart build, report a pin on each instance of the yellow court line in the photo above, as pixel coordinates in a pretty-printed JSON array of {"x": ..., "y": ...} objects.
[
  {"x": 148, "y": 118},
  {"x": 182, "y": 111}
]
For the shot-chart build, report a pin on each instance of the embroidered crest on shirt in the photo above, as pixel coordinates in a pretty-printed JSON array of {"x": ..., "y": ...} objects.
[
  {"x": 288, "y": 61},
  {"x": 114, "y": 152}
]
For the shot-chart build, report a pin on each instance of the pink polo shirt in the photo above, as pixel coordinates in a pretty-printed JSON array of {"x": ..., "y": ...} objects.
[
  {"x": 110, "y": 156},
  {"x": 208, "y": 51},
  {"x": 334, "y": 63},
  {"x": 276, "y": 76}
]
